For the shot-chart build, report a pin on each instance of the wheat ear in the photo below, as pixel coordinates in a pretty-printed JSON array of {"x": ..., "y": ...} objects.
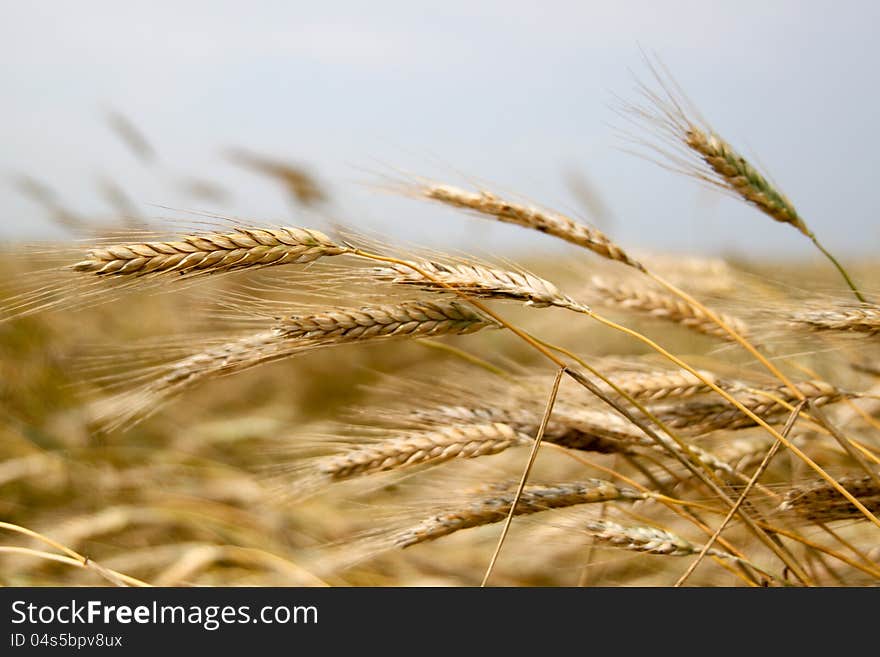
[
  {"x": 494, "y": 505},
  {"x": 418, "y": 447},
  {"x": 771, "y": 405},
  {"x": 298, "y": 334},
  {"x": 544, "y": 221},
  {"x": 735, "y": 173},
  {"x": 819, "y": 502},
  {"x": 643, "y": 300},
  {"x": 661, "y": 385},
  {"x": 579, "y": 429},
  {"x": 209, "y": 253},
  {"x": 482, "y": 282},
  {"x": 651, "y": 540},
  {"x": 863, "y": 319}
]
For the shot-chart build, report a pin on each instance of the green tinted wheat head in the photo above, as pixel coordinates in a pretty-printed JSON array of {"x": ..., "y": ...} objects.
[
  {"x": 735, "y": 173},
  {"x": 700, "y": 152}
]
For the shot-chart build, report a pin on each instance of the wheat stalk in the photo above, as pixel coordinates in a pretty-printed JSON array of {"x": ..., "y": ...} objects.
[
  {"x": 210, "y": 253},
  {"x": 493, "y": 505}
]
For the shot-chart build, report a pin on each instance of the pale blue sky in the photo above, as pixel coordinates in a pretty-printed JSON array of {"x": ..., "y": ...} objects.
[{"x": 511, "y": 93}]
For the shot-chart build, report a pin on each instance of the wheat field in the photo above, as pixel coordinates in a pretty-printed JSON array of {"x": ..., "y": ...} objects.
[{"x": 248, "y": 403}]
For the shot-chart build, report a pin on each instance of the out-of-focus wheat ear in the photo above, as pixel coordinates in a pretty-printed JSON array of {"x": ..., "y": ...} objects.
[
  {"x": 651, "y": 540},
  {"x": 583, "y": 430},
  {"x": 291, "y": 336},
  {"x": 662, "y": 385},
  {"x": 210, "y": 253},
  {"x": 772, "y": 405},
  {"x": 170, "y": 380},
  {"x": 299, "y": 182},
  {"x": 655, "y": 304},
  {"x": 819, "y": 502},
  {"x": 552, "y": 223},
  {"x": 863, "y": 319},
  {"x": 493, "y": 506},
  {"x": 482, "y": 282}
]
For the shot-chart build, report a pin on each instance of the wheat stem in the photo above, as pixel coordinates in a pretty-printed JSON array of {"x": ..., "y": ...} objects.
[{"x": 533, "y": 454}]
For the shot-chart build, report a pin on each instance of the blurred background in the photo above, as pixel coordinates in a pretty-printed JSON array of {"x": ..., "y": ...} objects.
[{"x": 135, "y": 108}]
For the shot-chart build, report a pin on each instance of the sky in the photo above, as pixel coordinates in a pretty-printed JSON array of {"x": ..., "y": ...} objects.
[{"x": 512, "y": 96}]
